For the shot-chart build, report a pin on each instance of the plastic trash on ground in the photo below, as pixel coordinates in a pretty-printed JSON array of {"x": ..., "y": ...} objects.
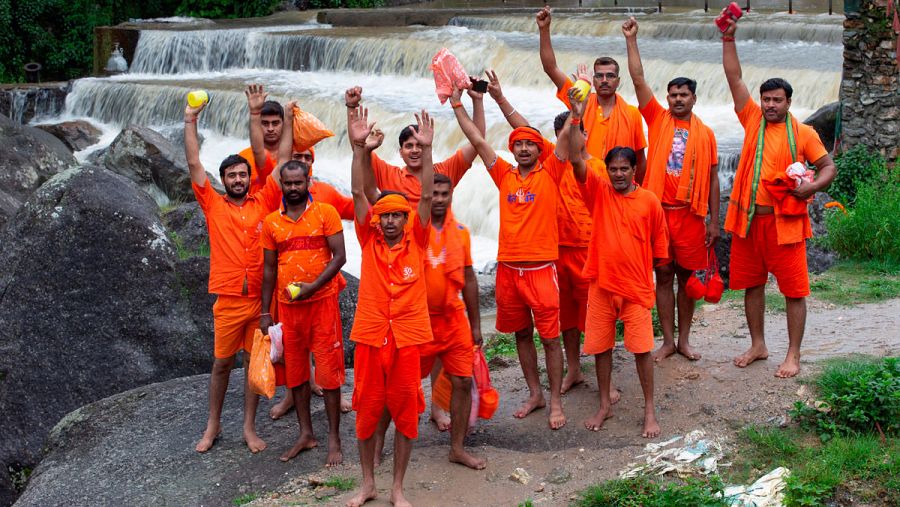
[{"x": 767, "y": 491}]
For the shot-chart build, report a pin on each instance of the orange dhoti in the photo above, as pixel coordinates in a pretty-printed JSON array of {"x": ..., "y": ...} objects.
[
  {"x": 687, "y": 237},
  {"x": 573, "y": 288},
  {"x": 604, "y": 308},
  {"x": 452, "y": 343},
  {"x": 235, "y": 318},
  {"x": 757, "y": 255},
  {"x": 315, "y": 327},
  {"x": 387, "y": 377},
  {"x": 521, "y": 292}
]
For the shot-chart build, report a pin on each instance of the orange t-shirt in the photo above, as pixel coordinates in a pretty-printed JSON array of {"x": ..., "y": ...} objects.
[
  {"x": 302, "y": 247},
  {"x": 401, "y": 179},
  {"x": 235, "y": 257},
  {"x": 258, "y": 176},
  {"x": 392, "y": 294},
  {"x": 629, "y": 232},
  {"x": 573, "y": 218},
  {"x": 528, "y": 229},
  {"x": 776, "y": 151},
  {"x": 443, "y": 296},
  {"x": 602, "y": 136},
  {"x": 325, "y": 193}
]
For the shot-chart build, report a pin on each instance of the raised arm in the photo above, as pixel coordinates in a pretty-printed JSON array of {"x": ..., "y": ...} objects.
[
  {"x": 358, "y": 129},
  {"x": 484, "y": 150},
  {"x": 548, "y": 57},
  {"x": 192, "y": 145},
  {"x": 576, "y": 140},
  {"x": 478, "y": 117},
  {"x": 635, "y": 68},
  {"x": 424, "y": 135},
  {"x": 286, "y": 143},
  {"x": 513, "y": 117},
  {"x": 739, "y": 92}
]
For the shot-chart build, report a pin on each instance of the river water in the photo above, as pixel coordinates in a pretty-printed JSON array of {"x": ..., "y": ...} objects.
[{"x": 314, "y": 63}]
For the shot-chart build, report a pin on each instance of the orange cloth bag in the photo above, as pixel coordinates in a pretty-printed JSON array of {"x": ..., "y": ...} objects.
[
  {"x": 308, "y": 130},
  {"x": 447, "y": 72},
  {"x": 488, "y": 397},
  {"x": 261, "y": 373}
]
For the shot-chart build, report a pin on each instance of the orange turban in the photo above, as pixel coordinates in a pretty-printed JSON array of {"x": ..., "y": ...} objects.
[
  {"x": 390, "y": 203},
  {"x": 529, "y": 134}
]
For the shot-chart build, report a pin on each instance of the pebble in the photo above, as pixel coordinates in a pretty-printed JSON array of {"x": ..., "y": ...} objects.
[
  {"x": 559, "y": 475},
  {"x": 520, "y": 475}
]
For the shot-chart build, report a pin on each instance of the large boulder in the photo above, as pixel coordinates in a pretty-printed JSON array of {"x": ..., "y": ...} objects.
[
  {"x": 824, "y": 121},
  {"x": 90, "y": 305},
  {"x": 28, "y": 158},
  {"x": 76, "y": 134}
]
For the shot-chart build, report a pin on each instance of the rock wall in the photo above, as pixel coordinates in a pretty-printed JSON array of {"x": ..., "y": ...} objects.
[{"x": 870, "y": 89}]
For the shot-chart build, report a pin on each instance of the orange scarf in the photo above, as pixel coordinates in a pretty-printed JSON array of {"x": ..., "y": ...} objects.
[
  {"x": 693, "y": 186},
  {"x": 620, "y": 128},
  {"x": 389, "y": 204},
  {"x": 455, "y": 262}
]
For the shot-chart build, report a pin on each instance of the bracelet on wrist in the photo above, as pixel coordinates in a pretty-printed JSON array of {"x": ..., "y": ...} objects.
[
  {"x": 458, "y": 104},
  {"x": 265, "y": 314},
  {"x": 256, "y": 113},
  {"x": 510, "y": 113},
  {"x": 575, "y": 121},
  {"x": 726, "y": 38},
  {"x": 349, "y": 106},
  {"x": 190, "y": 120}
]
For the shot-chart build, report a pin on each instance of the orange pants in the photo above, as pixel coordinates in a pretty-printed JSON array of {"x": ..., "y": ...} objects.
[
  {"x": 313, "y": 326},
  {"x": 235, "y": 318},
  {"x": 687, "y": 238},
  {"x": 387, "y": 377},
  {"x": 757, "y": 255},
  {"x": 604, "y": 308},
  {"x": 573, "y": 288},
  {"x": 521, "y": 292},
  {"x": 452, "y": 343}
]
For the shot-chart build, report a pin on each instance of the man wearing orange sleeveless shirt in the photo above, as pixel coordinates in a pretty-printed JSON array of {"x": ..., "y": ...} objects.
[
  {"x": 608, "y": 119},
  {"x": 527, "y": 290},
  {"x": 303, "y": 245},
  {"x": 391, "y": 319},
  {"x": 682, "y": 170},
  {"x": 769, "y": 233},
  {"x": 235, "y": 271}
]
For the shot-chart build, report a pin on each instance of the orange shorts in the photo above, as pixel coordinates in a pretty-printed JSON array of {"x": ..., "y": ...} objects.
[
  {"x": 687, "y": 238},
  {"x": 604, "y": 309},
  {"x": 235, "y": 318},
  {"x": 521, "y": 292},
  {"x": 387, "y": 377},
  {"x": 314, "y": 326},
  {"x": 573, "y": 288},
  {"x": 452, "y": 343},
  {"x": 757, "y": 255}
]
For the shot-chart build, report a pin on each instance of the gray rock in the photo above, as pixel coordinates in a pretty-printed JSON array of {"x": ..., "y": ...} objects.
[
  {"x": 559, "y": 475},
  {"x": 823, "y": 120},
  {"x": 77, "y": 135},
  {"x": 187, "y": 229},
  {"x": 90, "y": 305},
  {"x": 28, "y": 158},
  {"x": 347, "y": 303}
]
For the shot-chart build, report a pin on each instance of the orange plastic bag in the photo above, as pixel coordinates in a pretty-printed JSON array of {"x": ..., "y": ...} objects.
[
  {"x": 447, "y": 72},
  {"x": 488, "y": 397},
  {"x": 261, "y": 373},
  {"x": 308, "y": 130}
]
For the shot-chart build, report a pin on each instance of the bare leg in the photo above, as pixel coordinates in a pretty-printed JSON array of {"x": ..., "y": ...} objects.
[
  {"x": 528, "y": 359},
  {"x": 251, "y": 402},
  {"x": 553, "y": 356},
  {"x": 460, "y": 407},
  {"x": 346, "y": 405},
  {"x": 318, "y": 391},
  {"x": 307, "y": 439},
  {"x": 572, "y": 343},
  {"x": 755, "y": 309},
  {"x": 367, "y": 462},
  {"x": 604, "y": 381},
  {"x": 282, "y": 407},
  {"x": 218, "y": 384},
  {"x": 441, "y": 419},
  {"x": 402, "y": 451},
  {"x": 380, "y": 434},
  {"x": 796, "y": 321},
  {"x": 333, "y": 411},
  {"x": 644, "y": 364},
  {"x": 685, "y": 315},
  {"x": 665, "y": 307}
]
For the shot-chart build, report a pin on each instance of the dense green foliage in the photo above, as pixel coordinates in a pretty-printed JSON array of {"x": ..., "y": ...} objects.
[
  {"x": 644, "y": 492},
  {"x": 855, "y": 167},
  {"x": 333, "y": 4},
  {"x": 226, "y": 8}
]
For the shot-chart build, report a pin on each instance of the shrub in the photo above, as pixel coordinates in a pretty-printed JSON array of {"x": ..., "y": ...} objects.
[
  {"x": 334, "y": 4},
  {"x": 870, "y": 230},
  {"x": 855, "y": 167},
  {"x": 226, "y": 8},
  {"x": 643, "y": 492}
]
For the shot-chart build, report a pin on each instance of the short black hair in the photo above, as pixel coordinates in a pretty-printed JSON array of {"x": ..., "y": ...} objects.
[
  {"x": 293, "y": 165},
  {"x": 560, "y": 121},
  {"x": 621, "y": 152},
  {"x": 232, "y": 160},
  {"x": 385, "y": 193},
  {"x": 272, "y": 108},
  {"x": 443, "y": 179},
  {"x": 776, "y": 83},
  {"x": 678, "y": 82},
  {"x": 605, "y": 60},
  {"x": 407, "y": 132}
]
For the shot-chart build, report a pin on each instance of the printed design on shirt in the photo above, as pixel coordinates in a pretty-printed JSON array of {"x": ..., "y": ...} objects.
[
  {"x": 436, "y": 260},
  {"x": 302, "y": 243},
  {"x": 408, "y": 272},
  {"x": 676, "y": 157},
  {"x": 522, "y": 196}
]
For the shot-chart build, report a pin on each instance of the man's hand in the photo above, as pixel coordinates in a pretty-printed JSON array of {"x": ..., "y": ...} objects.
[
  {"x": 425, "y": 135},
  {"x": 804, "y": 190},
  {"x": 543, "y": 18},
  {"x": 306, "y": 290},
  {"x": 353, "y": 96},
  {"x": 264, "y": 322},
  {"x": 732, "y": 25},
  {"x": 577, "y": 110},
  {"x": 581, "y": 72},
  {"x": 358, "y": 126},
  {"x": 630, "y": 28},
  {"x": 374, "y": 140},
  {"x": 472, "y": 93},
  {"x": 191, "y": 113},
  {"x": 712, "y": 233},
  {"x": 494, "y": 89},
  {"x": 256, "y": 97},
  {"x": 476, "y": 337}
]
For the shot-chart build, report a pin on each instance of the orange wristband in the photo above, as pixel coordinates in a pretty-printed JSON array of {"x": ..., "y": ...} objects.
[
  {"x": 454, "y": 106},
  {"x": 575, "y": 121}
]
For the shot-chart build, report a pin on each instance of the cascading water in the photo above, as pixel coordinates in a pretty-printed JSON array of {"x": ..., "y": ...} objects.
[{"x": 314, "y": 63}]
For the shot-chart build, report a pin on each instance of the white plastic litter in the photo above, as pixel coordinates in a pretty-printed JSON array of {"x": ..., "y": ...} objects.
[
  {"x": 767, "y": 491},
  {"x": 660, "y": 458},
  {"x": 276, "y": 352}
]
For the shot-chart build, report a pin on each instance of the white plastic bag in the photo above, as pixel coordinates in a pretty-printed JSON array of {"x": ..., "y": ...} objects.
[{"x": 276, "y": 352}]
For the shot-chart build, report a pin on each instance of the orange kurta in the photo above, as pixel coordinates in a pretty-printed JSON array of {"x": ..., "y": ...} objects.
[
  {"x": 325, "y": 193},
  {"x": 401, "y": 179},
  {"x": 629, "y": 232},
  {"x": 573, "y": 218},
  {"x": 448, "y": 253},
  {"x": 258, "y": 175}
]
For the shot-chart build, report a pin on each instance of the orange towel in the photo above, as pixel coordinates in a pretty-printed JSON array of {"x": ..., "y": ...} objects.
[{"x": 693, "y": 186}]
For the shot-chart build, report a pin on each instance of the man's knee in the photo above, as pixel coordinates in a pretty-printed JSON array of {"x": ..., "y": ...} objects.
[
  {"x": 665, "y": 274},
  {"x": 550, "y": 344},
  {"x": 222, "y": 365},
  {"x": 525, "y": 335},
  {"x": 461, "y": 384}
]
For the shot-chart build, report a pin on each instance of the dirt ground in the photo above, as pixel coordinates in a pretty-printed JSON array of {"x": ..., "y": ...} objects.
[{"x": 710, "y": 394}]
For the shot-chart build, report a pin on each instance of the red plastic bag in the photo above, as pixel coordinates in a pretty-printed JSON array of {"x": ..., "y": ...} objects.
[
  {"x": 447, "y": 72},
  {"x": 488, "y": 398},
  {"x": 261, "y": 373},
  {"x": 308, "y": 130}
]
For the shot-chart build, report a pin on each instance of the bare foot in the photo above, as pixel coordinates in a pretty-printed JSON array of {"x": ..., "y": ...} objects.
[
  {"x": 665, "y": 350},
  {"x": 398, "y": 500},
  {"x": 315, "y": 388},
  {"x": 365, "y": 494},
  {"x": 651, "y": 427},
  {"x": 790, "y": 367},
  {"x": 346, "y": 405},
  {"x": 752, "y": 354},
  {"x": 335, "y": 455},
  {"x": 254, "y": 443},
  {"x": 595, "y": 422},
  {"x": 614, "y": 395},
  {"x": 687, "y": 351},
  {"x": 571, "y": 380},
  {"x": 282, "y": 407},
  {"x": 466, "y": 459},
  {"x": 531, "y": 404},
  {"x": 208, "y": 439},
  {"x": 440, "y": 418},
  {"x": 557, "y": 418},
  {"x": 303, "y": 443}
]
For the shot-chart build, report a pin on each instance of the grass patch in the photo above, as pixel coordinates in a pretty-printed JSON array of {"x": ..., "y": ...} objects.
[
  {"x": 184, "y": 252},
  {"x": 504, "y": 344},
  {"x": 852, "y": 282},
  {"x": 774, "y": 299},
  {"x": 340, "y": 483},
  {"x": 245, "y": 499},
  {"x": 644, "y": 492}
]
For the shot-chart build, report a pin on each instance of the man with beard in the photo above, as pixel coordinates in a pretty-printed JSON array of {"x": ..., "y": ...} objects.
[
  {"x": 303, "y": 245},
  {"x": 608, "y": 119},
  {"x": 682, "y": 170},
  {"x": 235, "y": 271}
]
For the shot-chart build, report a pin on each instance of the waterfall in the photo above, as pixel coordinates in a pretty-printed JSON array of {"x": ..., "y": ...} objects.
[{"x": 26, "y": 104}]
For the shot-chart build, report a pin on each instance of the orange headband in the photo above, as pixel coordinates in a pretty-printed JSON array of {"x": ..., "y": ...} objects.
[
  {"x": 390, "y": 203},
  {"x": 529, "y": 134}
]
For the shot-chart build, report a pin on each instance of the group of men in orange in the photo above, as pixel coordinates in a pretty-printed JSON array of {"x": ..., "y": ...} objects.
[{"x": 586, "y": 226}]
